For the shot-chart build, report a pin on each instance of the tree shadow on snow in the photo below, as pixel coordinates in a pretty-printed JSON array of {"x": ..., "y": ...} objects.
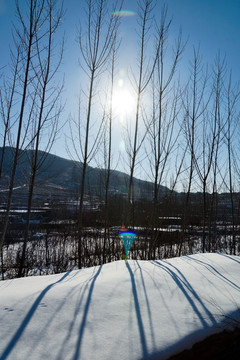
[
  {"x": 12, "y": 343},
  {"x": 138, "y": 313},
  {"x": 79, "y": 301},
  {"x": 55, "y": 313},
  {"x": 214, "y": 271},
  {"x": 84, "y": 319},
  {"x": 150, "y": 319},
  {"x": 186, "y": 288},
  {"x": 225, "y": 321},
  {"x": 192, "y": 297},
  {"x": 231, "y": 257}
]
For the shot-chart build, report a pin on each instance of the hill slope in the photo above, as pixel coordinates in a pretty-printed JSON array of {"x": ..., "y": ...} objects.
[
  {"x": 60, "y": 172},
  {"x": 134, "y": 310}
]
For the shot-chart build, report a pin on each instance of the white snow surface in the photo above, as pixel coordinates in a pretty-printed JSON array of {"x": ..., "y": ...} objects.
[{"x": 121, "y": 310}]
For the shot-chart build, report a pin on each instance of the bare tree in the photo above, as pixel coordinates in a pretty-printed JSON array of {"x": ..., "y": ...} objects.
[
  {"x": 46, "y": 111},
  {"x": 7, "y": 93},
  {"x": 96, "y": 41},
  {"x": 108, "y": 148},
  {"x": 233, "y": 95},
  {"x": 163, "y": 128},
  {"x": 25, "y": 37},
  {"x": 194, "y": 101},
  {"x": 210, "y": 129},
  {"x": 218, "y": 99},
  {"x": 141, "y": 81}
]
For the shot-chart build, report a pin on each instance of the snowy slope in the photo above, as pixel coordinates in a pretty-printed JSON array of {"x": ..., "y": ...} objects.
[{"x": 133, "y": 310}]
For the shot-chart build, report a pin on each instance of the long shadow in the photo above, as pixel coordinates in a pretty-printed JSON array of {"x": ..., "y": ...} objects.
[
  {"x": 138, "y": 313},
  {"x": 54, "y": 313},
  {"x": 84, "y": 319},
  {"x": 214, "y": 271},
  {"x": 185, "y": 286},
  {"x": 164, "y": 301},
  {"x": 190, "y": 288},
  {"x": 77, "y": 307},
  {"x": 27, "y": 319},
  {"x": 148, "y": 305},
  {"x": 231, "y": 258}
]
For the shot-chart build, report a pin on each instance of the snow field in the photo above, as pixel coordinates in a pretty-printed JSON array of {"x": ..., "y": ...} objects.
[{"x": 121, "y": 310}]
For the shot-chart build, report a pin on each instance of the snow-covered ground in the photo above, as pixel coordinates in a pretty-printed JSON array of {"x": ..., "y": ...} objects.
[{"x": 133, "y": 310}]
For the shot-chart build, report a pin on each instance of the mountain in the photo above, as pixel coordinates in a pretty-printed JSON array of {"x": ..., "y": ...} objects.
[
  {"x": 121, "y": 310},
  {"x": 57, "y": 173}
]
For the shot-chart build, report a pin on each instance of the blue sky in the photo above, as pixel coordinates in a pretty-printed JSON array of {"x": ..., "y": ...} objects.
[{"x": 212, "y": 24}]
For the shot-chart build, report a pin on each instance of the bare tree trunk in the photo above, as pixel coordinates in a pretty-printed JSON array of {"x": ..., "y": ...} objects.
[
  {"x": 95, "y": 47},
  {"x": 210, "y": 132},
  {"x": 163, "y": 124},
  {"x": 217, "y": 94},
  {"x": 2, "y": 263},
  {"x": 9, "y": 102},
  {"x": 34, "y": 16},
  {"x": 84, "y": 166},
  {"x": 144, "y": 77},
  {"x": 193, "y": 104},
  {"x": 109, "y": 157},
  {"x": 232, "y": 99},
  {"x": 44, "y": 73}
]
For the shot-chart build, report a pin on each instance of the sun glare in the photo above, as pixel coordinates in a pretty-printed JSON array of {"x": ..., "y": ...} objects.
[{"x": 123, "y": 103}]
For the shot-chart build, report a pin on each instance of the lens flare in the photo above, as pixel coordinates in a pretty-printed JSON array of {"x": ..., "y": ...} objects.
[
  {"x": 123, "y": 13},
  {"x": 127, "y": 238}
]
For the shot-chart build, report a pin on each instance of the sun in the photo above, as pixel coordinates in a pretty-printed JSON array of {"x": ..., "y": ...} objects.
[{"x": 123, "y": 103}]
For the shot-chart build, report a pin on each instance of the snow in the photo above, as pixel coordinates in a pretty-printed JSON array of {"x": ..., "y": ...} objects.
[{"x": 121, "y": 310}]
